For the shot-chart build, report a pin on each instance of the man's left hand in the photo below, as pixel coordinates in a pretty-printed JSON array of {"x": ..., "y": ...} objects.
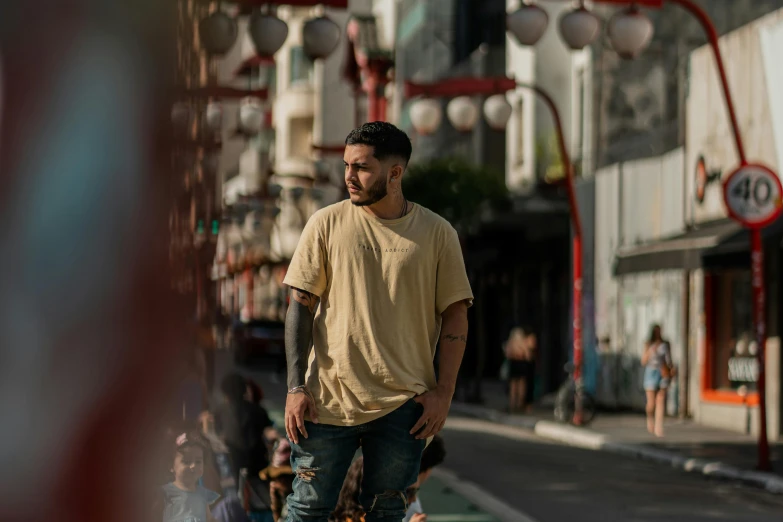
[{"x": 436, "y": 405}]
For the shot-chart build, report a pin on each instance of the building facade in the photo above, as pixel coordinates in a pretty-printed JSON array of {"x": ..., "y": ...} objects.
[{"x": 666, "y": 251}]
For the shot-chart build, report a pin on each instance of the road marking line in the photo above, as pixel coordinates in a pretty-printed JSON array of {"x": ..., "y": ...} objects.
[{"x": 480, "y": 497}]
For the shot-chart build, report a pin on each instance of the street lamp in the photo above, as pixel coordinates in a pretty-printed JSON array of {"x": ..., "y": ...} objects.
[
  {"x": 268, "y": 33},
  {"x": 527, "y": 24},
  {"x": 251, "y": 116},
  {"x": 497, "y": 111},
  {"x": 630, "y": 32},
  {"x": 426, "y": 115},
  {"x": 217, "y": 33},
  {"x": 213, "y": 116},
  {"x": 579, "y": 28},
  {"x": 463, "y": 113},
  {"x": 320, "y": 37}
]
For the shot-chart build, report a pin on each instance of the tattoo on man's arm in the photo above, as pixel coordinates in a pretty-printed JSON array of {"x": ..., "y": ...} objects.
[
  {"x": 305, "y": 298},
  {"x": 463, "y": 338},
  {"x": 299, "y": 334}
]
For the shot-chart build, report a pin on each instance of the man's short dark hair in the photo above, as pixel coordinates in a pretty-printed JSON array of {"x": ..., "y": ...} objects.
[
  {"x": 433, "y": 455},
  {"x": 385, "y": 139}
]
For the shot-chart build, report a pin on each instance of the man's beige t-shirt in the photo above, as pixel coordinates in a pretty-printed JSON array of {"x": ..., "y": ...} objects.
[{"x": 383, "y": 285}]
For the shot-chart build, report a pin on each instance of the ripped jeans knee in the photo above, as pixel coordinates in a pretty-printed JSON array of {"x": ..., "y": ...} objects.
[
  {"x": 306, "y": 474},
  {"x": 390, "y": 504}
]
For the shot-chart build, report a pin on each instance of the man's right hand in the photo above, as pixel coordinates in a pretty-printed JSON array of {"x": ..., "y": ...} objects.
[
  {"x": 297, "y": 405},
  {"x": 419, "y": 517}
]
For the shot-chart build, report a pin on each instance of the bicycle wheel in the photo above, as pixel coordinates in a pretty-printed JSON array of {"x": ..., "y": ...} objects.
[
  {"x": 564, "y": 403},
  {"x": 565, "y": 407},
  {"x": 589, "y": 408}
]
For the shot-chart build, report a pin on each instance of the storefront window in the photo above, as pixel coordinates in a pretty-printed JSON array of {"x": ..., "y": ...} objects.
[{"x": 734, "y": 360}]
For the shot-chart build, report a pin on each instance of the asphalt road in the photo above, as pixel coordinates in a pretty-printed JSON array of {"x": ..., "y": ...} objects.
[
  {"x": 535, "y": 480},
  {"x": 552, "y": 483}
]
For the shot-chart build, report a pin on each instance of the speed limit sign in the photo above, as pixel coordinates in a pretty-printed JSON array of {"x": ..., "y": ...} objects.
[{"x": 752, "y": 194}]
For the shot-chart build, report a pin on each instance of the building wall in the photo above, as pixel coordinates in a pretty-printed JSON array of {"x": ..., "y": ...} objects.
[
  {"x": 709, "y": 131},
  {"x": 640, "y": 103},
  {"x": 754, "y": 81},
  {"x": 636, "y": 202}
]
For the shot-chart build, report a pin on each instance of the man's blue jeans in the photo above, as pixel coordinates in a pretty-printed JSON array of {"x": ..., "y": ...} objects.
[{"x": 391, "y": 464}]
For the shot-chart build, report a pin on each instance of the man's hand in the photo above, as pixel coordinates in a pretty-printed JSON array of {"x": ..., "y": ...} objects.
[
  {"x": 419, "y": 517},
  {"x": 297, "y": 405},
  {"x": 436, "y": 405}
]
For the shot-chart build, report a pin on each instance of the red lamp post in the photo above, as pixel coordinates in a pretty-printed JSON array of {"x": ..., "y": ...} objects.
[
  {"x": 630, "y": 32},
  {"x": 429, "y": 116}
]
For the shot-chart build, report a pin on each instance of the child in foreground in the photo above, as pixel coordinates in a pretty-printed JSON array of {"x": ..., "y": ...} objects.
[{"x": 183, "y": 499}]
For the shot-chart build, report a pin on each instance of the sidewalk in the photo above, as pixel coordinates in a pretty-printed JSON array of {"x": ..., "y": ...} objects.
[{"x": 687, "y": 445}]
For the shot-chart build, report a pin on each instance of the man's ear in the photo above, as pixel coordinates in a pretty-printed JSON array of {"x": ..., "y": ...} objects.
[{"x": 396, "y": 172}]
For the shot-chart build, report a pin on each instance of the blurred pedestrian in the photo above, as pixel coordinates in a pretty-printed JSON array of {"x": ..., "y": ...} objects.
[
  {"x": 241, "y": 425},
  {"x": 658, "y": 372},
  {"x": 375, "y": 281},
  {"x": 520, "y": 352},
  {"x": 183, "y": 499}
]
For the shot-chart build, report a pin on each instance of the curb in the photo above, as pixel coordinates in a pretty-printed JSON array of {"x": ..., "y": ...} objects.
[{"x": 593, "y": 440}]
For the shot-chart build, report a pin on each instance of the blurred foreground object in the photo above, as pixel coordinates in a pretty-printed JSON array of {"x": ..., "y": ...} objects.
[{"x": 89, "y": 330}]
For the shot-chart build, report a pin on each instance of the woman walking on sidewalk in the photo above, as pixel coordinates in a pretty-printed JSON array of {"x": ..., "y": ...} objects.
[{"x": 658, "y": 370}]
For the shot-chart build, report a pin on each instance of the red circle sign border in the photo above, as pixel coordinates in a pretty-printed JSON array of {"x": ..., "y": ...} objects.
[{"x": 761, "y": 224}]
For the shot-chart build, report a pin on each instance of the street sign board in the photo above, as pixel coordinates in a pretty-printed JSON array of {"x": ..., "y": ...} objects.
[{"x": 753, "y": 195}]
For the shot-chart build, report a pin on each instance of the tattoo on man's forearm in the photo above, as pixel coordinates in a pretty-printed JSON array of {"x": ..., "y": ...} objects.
[
  {"x": 305, "y": 298},
  {"x": 299, "y": 335},
  {"x": 463, "y": 338}
]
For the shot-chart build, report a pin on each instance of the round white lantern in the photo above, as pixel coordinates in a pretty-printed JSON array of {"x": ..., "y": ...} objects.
[
  {"x": 528, "y": 24},
  {"x": 181, "y": 117},
  {"x": 320, "y": 37},
  {"x": 251, "y": 115},
  {"x": 579, "y": 28},
  {"x": 630, "y": 32},
  {"x": 213, "y": 116},
  {"x": 267, "y": 32},
  {"x": 217, "y": 33},
  {"x": 497, "y": 111},
  {"x": 426, "y": 115},
  {"x": 462, "y": 113}
]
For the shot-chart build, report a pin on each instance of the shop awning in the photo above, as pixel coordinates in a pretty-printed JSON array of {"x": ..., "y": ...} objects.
[
  {"x": 681, "y": 252},
  {"x": 734, "y": 251}
]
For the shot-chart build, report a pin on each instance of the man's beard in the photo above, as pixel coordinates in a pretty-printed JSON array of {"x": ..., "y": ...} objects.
[{"x": 375, "y": 192}]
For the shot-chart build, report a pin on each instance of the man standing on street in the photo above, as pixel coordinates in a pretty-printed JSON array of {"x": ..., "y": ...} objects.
[{"x": 375, "y": 281}]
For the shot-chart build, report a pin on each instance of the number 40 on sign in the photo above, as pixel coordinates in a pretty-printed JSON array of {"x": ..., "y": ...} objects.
[{"x": 753, "y": 195}]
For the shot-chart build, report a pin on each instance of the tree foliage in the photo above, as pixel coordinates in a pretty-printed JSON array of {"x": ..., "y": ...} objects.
[{"x": 457, "y": 190}]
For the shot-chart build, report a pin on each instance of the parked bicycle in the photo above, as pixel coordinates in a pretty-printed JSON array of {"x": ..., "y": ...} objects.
[{"x": 566, "y": 400}]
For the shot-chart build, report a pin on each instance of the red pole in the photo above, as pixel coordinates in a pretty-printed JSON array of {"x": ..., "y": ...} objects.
[
  {"x": 577, "y": 245},
  {"x": 759, "y": 315},
  {"x": 757, "y": 251},
  {"x": 712, "y": 36},
  {"x": 382, "y": 105},
  {"x": 372, "y": 98}
]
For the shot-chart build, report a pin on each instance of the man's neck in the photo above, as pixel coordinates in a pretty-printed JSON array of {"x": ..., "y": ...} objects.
[{"x": 393, "y": 206}]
